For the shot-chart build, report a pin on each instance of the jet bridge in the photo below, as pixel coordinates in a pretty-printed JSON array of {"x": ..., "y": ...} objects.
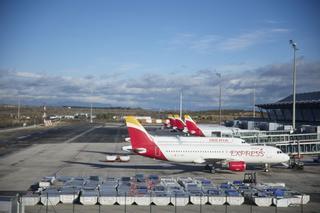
[{"x": 293, "y": 144}]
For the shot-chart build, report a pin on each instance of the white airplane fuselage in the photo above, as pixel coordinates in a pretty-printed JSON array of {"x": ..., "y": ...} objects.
[{"x": 198, "y": 152}]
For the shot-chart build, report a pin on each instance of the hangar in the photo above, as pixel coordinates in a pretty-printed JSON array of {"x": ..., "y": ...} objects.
[{"x": 307, "y": 109}]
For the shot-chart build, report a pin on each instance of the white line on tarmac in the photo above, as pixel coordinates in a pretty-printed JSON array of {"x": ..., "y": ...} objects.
[{"x": 83, "y": 133}]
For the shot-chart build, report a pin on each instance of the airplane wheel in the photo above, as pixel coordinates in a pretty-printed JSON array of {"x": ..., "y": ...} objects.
[{"x": 212, "y": 171}]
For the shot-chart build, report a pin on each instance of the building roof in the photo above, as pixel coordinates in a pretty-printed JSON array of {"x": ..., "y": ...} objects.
[
  {"x": 304, "y": 97},
  {"x": 301, "y": 98}
]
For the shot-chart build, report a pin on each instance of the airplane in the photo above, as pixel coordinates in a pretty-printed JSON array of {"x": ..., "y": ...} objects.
[
  {"x": 172, "y": 122},
  {"x": 209, "y": 130},
  {"x": 234, "y": 156},
  {"x": 179, "y": 123},
  {"x": 176, "y": 123},
  {"x": 179, "y": 139}
]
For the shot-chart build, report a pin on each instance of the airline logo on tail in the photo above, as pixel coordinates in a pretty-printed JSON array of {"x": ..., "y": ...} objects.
[
  {"x": 192, "y": 127},
  {"x": 142, "y": 143},
  {"x": 179, "y": 123},
  {"x": 172, "y": 121}
]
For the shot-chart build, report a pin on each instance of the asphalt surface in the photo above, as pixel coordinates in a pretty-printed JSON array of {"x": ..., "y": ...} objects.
[{"x": 80, "y": 150}]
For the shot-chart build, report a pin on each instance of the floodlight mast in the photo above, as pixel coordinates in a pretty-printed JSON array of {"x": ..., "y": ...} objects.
[
  {"x": 295, "y": 48},
  {"x": 181, "y": 103},
  {"x": 219, "y": 75}
]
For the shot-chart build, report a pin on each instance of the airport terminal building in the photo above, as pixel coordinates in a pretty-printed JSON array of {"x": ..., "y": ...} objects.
[{"x": 307, "y": 109}]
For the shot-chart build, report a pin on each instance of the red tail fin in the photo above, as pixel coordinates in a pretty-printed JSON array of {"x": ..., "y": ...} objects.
[
  {"x": 179, "y": 122},
  {"x": 142, "y": 143},
  {"x": 192, "y": 127},
  {"x": 172, "y": 121}
]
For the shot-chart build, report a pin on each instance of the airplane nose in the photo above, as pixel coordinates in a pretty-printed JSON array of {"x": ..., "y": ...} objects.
[{"x": 286, "y": 157}]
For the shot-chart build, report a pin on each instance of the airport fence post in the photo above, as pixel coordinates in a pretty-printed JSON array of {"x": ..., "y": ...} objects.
[
  {"x": 200, "y": 203},
  {"x": 226, "y": 206},
  {"x": 175, "y": 202},
  {"x": 99, "y": 202},
  {"x": 301, "y": 204},
  {"x": 125, "y": 202},
  {"x": 19, "y": 202},
  {"x": 74, "y": 198},
  {"x": 150, "y": 203},
  {"x": 47, "y": 202},
  {"x": 251, "y": 201}
]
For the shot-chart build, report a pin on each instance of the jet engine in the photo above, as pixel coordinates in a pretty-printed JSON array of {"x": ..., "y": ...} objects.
[{"x": 238, "y": 166}]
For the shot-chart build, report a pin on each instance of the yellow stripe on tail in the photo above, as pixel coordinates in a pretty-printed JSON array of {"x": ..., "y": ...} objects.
[{"x": 132, "y": 120}]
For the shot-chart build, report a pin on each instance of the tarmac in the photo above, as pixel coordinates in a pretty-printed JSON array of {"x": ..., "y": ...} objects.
[{"x": 80, "y": 150}]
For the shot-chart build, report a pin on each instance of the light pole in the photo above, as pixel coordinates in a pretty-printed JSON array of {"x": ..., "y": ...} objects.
[
  {"x": 181, "y": 103},
  {"x": 254, "y": 101},
  {"x": 295, "y": 48},
  {"x": 219, "y": 75}
]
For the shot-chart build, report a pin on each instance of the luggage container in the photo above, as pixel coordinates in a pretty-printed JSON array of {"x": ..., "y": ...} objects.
[
  {"x": 107, "y": 197},
  {"x": 197, "y": 198},
  {"x": 50, "y": 197},
  {"x": 141, "y": 194},
  {"x": 216, "y": 197},
  {"x": 89, "y": 197},
  {"x": 281, "y": 202},
  {"x": 179, "y": 198},
  {"x": 297, "y": 198},
  {"x": 44, "y": 184},
  {"x": 225, "y": 186},
  {"x": 160, "y": 198},
  {"x": 69, "y": 194},
  {"x": 30, "y": 199},
  {"x": 234, "y": 198},
  {"x": 46, "y": 181},
  {"x": 304, "y": 199},
  {"x": 125, "y": 199},
  {"x": 142, "y": 199},
  {"x": 140, "y": 178},
  {"x": 262, "y": 201},
  {"x": 294, "y": 201},
  {"x": 153, "y": 179},
  {"x": 204, "y": 183}
]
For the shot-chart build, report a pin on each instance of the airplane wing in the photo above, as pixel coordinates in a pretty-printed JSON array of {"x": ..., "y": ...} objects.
[{"x": 217, "y": 160}]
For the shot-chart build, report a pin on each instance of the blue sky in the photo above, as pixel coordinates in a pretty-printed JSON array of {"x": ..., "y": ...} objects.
[{"x": 141, "y": 53}]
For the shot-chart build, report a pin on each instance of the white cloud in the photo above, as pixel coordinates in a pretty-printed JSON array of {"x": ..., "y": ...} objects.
[
  {"x": 28, "y": 75},
  {"x": 209, "y": 43},
  {"x": 200, "y": 88}
]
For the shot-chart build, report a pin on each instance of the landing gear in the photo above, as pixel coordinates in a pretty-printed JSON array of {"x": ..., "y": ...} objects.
[
  {"x": 266, "y": 167},
  {"x": 210, "y": 168}
]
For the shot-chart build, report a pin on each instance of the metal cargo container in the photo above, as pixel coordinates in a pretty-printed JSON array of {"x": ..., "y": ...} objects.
[
  {"x": 30, "y": 199},
  {"x": 107, "y": 197},
  {"x": 89, "y": 197},
  {"x": 50, "y": 197},
  {"x": 160, "y": 198},
  {"x": 69, "y": 194}
]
